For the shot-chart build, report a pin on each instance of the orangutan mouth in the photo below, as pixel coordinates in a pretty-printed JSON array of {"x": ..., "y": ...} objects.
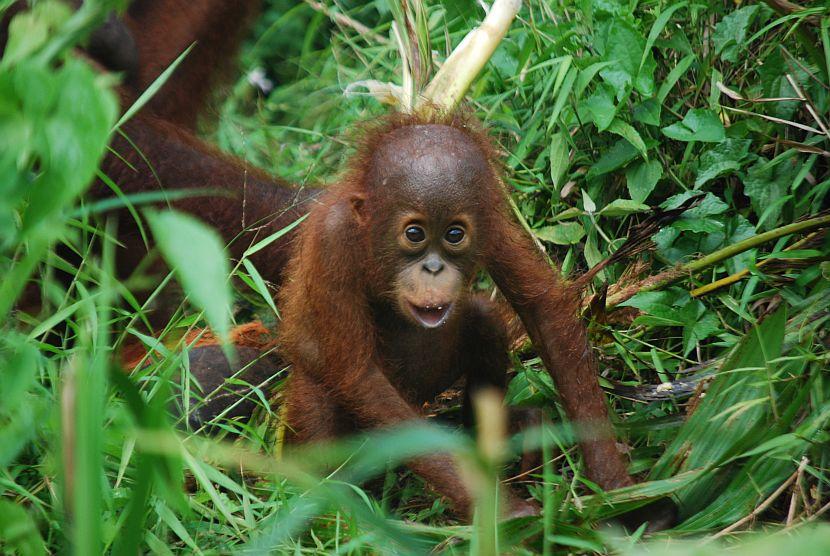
[{"x": 432, "y": 315}]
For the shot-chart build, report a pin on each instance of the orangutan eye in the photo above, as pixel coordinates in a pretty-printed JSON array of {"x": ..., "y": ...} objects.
[
  {"x": 454, "y": 235},
  {"x": 415, "y": 234}
]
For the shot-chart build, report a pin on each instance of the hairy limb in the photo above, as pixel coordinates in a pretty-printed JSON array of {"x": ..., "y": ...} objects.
[
  {"x": 311, "y": 414},
  {"x": 323, "y": 405},
  {"x": 163, "y": 29},
  {"x": 317, "y": 412},
  {"x": 549, "y": 310},
  {"x": 375, "y": 403},
  {"x": 219, "y": 396},
  {"x": 485, "y": 362},
  {"x": 484, "y": 349},
  {"x": 244, "y": 201}
]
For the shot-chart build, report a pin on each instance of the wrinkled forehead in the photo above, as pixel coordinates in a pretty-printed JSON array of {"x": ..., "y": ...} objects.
[{"x": 433, "y": 166}]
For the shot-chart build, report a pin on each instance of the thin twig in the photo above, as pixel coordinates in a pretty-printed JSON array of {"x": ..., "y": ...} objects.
[
  {"x": 346, "y": 21},
  {"x": 776, "y": 120},
  {"x": 820, "y": 511},
  {"x": 796, "y": 490},
  {"x": 760, "y": 509},
  {"x": 785, "y": 7},
  {"x": 807, "y": 104}
]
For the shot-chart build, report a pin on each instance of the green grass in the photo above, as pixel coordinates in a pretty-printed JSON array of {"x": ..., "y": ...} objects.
[{"x": 602, "y": 109}]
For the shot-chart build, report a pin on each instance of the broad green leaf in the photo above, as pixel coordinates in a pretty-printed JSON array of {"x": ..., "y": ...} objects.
[
  {"x": 621, "y": 153},
  {"x": 18, "y": 371},
  {"x": 676, "y": 309},
  {"x": 699, "y": 225},
  {"x": 591, "y": 253},
  {"x": 71, "y": 142},
  {"x": 722, "y": 160},
  {"x": 567, "y": 214},
  {"x": 709, "y": 205},
  {"x": 599, "y": 108},
  {"x": 766, "y": 183},
  {"x": 21, "y": 412},
  {"x": 622, "y": 207},
  {"x": 566, "y": 233},
  {"x": 52, "y": 137},
  {"x": 730, "y": 33},
  {"x": 773, "y": 75},
  {"x": 613, "y": 8},
  {"x": 641, "y": 179},
  {"x": 699, "y": 326},
  {"x": 588, "y": 204},
  {"x": 659, "y": 316},
  {"x": 618, "y": 41},
  {"x": 647, "y": 301},
  {"x": 197, "y": 255},
  {"x": 648, "y": 112},
  {"x": 625, "y": 130},
  {"x": 587, "y": 75},
  {"x": 559, "y": 160},
  {"x": 31, "y": 30},
  {"x": 699, "y": 124},
  {"x": 738, "y": 229}
]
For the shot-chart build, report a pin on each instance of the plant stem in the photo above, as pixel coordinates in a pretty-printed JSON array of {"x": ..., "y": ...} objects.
[
  {"x": 736, "y": 277},
  {"x": 673, "y": 274},
  {"x": 451, "y": 82}
]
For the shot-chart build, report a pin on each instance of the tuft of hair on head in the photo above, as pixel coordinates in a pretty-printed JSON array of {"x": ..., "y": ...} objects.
[{"x": 366, "y": 137}]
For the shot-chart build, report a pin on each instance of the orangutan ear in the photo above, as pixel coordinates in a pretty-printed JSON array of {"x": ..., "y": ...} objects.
[{"x": 358, "y": 203}]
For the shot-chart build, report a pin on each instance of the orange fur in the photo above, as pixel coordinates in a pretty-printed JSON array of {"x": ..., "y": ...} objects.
[
  {"x": 249, "y": 335},
  {"x": 350, "y": 364}
]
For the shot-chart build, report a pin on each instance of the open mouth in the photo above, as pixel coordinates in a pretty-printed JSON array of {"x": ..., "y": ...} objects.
[{"x": 432, "y": 315}]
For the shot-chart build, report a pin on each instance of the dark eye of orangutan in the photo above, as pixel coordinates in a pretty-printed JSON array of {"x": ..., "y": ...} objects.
[
  {"x": 415, "y": 234},
  {"x": 454, "y": 235}
]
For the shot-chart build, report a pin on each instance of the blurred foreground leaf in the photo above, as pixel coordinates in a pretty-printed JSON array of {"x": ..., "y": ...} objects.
[{"x": 198, "y": 257}]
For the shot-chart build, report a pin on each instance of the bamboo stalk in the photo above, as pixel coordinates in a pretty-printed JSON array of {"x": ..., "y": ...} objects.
[
  {"x": 741, "y": 274},
  {"x": 454, "y": 78},
  {"x": 673, "y": 274}
]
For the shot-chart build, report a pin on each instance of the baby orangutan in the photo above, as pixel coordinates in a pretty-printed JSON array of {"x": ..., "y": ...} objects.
[{"x": 378, "y": 317}]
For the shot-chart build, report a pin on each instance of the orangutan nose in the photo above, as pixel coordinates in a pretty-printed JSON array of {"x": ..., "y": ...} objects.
[{"x": 433, "y": 264}]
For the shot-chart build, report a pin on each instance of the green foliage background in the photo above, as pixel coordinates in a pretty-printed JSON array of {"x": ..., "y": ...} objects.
[{"x": 603, "y": 109}]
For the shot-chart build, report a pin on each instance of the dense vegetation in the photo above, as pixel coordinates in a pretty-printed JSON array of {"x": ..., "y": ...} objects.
[{"x": 603, "y": 109}]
